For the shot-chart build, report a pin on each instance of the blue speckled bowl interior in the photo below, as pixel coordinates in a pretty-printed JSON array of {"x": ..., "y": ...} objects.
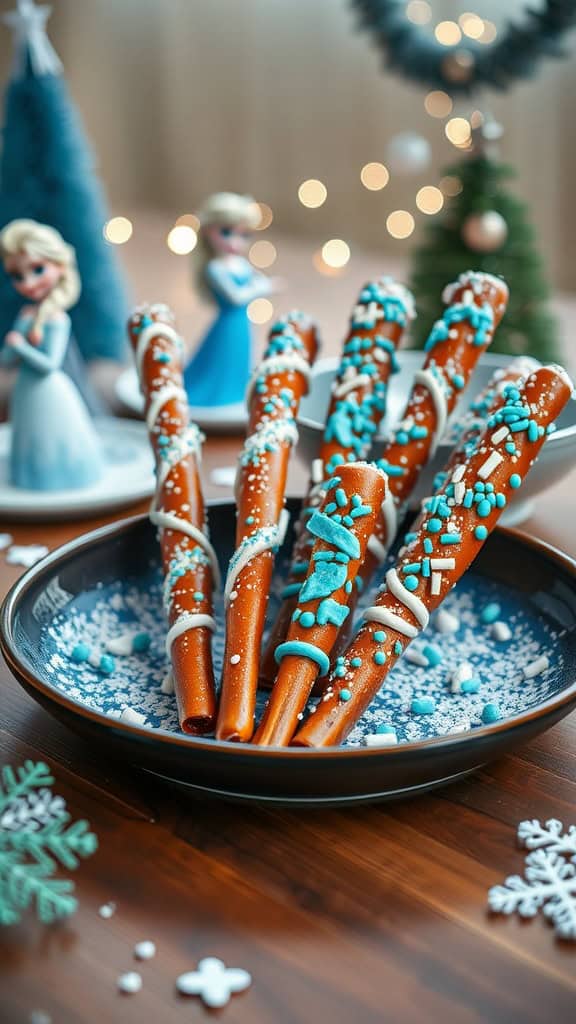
[{"x": 126, "y": 598}]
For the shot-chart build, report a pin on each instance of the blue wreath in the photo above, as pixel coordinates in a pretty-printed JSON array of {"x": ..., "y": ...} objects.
[{"x": 406, "y": 48}]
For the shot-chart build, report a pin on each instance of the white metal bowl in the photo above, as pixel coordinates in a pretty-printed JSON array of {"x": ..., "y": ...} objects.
[{"x": 556, "y": 459}]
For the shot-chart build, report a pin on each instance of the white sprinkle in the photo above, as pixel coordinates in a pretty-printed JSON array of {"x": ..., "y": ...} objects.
[
  {"x": 446, "y": 622},
  {"x": 500, "y": 434},
  {"x": 94, "y": 659},
  {"x": 130, "y": 982},
  {"x": 39, "y": 1017},
  {"x": 235, "y": 659},
  {"x": 442, "y": 563},
  {"x": 501, "y": 631},
  {"x": 5, "y": 542},
  {"x": 107, "y": 910},
  {"x": 415, "y": 657},
  {"x": 233, "y": 595},
  {"x": 461, "y": 673},
  {"x": 213, "y": 981},
  {"x": 381, "y": 739},
  {"x": 459, "y": 492},
  {"x": 435, "y": 583},
  {"x": 145, "y": 950},
  {"x": 463, "y": 726},
  {"x": 26, "y": 554},
  {"x": 488, "y": 467},
  {"x": 132, "y": 717},
  {"x": 317, "y": 471},
  {"x": 458, "y": 473},
  {"x": 536, "y": 667},
  {"x": 120, "y": 644},
  {"x": 167, "y": 685}
]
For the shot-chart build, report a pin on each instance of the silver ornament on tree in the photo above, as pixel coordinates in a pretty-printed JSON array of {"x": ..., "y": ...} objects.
[{"x": 485, "y": 232}]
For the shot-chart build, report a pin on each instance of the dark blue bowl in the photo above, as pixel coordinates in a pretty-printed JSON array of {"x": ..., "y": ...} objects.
[{"x": 108, "y": 582}]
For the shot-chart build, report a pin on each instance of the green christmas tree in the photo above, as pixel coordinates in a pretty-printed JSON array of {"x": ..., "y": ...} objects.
[{"x": 487, "y": 228}]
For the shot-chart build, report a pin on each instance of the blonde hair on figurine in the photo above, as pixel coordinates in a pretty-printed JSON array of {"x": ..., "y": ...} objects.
[
  {"x": 226, "y": 209},
  {"x": 42, "y": 242}
]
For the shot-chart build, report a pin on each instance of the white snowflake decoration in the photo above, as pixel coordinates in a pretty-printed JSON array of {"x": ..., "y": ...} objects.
[{"x": 550, "y": 877}]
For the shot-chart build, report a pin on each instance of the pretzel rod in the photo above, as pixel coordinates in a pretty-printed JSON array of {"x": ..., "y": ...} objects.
[
  {"x": 274, "y": 395},
  {"x": 357, "y": 406},
  {"x": 476, "y": 303},
  {"x": 189, "y": 561},
  {"x": 341, "y": 528},
  {"x": 466, "y": 431},
  {"x": 447, "y": 537}
]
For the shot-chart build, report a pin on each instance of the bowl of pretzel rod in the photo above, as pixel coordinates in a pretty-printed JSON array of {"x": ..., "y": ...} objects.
[{"x": 318, "y": 651}]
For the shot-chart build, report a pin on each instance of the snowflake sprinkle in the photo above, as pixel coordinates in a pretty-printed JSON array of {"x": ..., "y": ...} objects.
[{"x": 550, "y": 882}]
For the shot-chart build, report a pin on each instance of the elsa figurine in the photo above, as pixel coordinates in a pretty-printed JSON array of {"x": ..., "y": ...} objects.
[
  {"x": 219, "y": 369},
  {"x": 54, "y": 445}
]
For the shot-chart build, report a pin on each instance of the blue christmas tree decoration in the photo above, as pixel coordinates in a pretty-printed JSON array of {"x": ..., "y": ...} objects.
[{"x": 47, "y": 174}]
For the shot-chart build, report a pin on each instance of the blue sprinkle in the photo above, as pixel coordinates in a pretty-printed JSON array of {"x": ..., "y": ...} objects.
[
  {"x": 341, "y": 498},
  {"x": 490, "y": 613},
  {"x": 348, "y": 521},
  {"x": 409, "y": 537},
  {"x": 345, "y": 695},
  {"x": 428, "y": 546},
  {"x": 423, "y": 706},
  {"x": 107, "y": 664},
  {"x": 470, "y": 686},
  {"x": 481, "y": 533},
  {"x": 419, "y": 432},
  {"x": 451, "y": 538},
  {"x": 348, "y": 587},
  {"x": 307, "y": 620},
  {"x": 356, "y": 662},
  {"x": 340, "y": 671},
  {"x": 141, "y": 642},
  {"x": 411, "y": 583},
  {"x": 269, "y": 407},
  {"x": 198, "y": 595},
  {"x": 491, "y": 713},
  {"x": 515, "y": 481},
  {"x": 80, "y": 652},
  {"x": 484, "y": 508},
  {"x": 510, "y": 447},
  {"x": 434, "y": 525},
  {"x": 249, "y": 520},
  {"x": 162, "y": 357},
  {"x": 297, "y": 615},
  {"x": 533, "y": 431},
  {"x": 433, "y": 654},
  {"x": 426, "y": 567},
  {"x": 382, "y": 730},
  {"x": 379, "y": 636},
  {"x": 500, "y": 500},
  {"x": 379, "y": 658},
  {"x": 412, "y": 568},
  {"x": 468, "y": 499},
  {"x": 458, "y": 381},
  {"x": 519, "y": 425},
  {"x": 398, "y": 647}
]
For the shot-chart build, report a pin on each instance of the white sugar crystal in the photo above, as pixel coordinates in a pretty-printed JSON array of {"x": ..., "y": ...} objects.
[
  {"x": 488, "y": 467},
  {"x": 446, "y": 622},
  {"x": 121, "y": 645},
  {"x": 501, "y": 631},
  {"x": 130, "y": 982},
  {"x": 26, "y": 554},
  {"x": 107, "y": 910},
  {"x": 167, "y": 685},
  {"x": 415, "y": 657},
  {"x": 499, "y": 435},
  {"x": 132, "y": 717},
  {"x": 235, "y": 659},
  {"x": 381, "y": 739},
  {"x": 5, "y": 540},
  {"x": 458, "y": 473},
  {"x": 145, "y": 950},
  {"x": 461, "y": 674},
  {"x": 534, "y": 668}
]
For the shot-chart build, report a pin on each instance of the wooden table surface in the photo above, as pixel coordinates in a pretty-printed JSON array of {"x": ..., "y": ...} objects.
[{"x": 369, "y": 914}]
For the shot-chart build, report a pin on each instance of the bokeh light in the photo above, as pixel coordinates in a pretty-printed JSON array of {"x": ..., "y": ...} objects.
[
  {"x": 118, "y": 230},
  {"x": 448, "y": 33},
  {"x": 438, "y": 103},
  {"x": 429, "y": 199},
  {"x": 374, "y": 176},
  {"x": 181, "y": 239},
  {"x": 400, "y": 224},
  {"x": 458, "y": 131},
  {"x": 489, "y": 33},
  {"x": 336, "y": 253},
  {"x": 418, "y": 12},
  {"x": 188, "y": 220},
  {"x": 471, "y": 24},
  {"x": 312, "y": 193},
  {"x": 262, "y": 254},
  {"x": 450, "y": 185},
  {"x": 260, "y": 311},
  {"x": 266, "y": 216}
]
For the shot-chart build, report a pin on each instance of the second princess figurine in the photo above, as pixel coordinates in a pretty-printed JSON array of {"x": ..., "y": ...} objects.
[
  {"x": 218, "y": 372},
  {"x": 54, "y": 445}
]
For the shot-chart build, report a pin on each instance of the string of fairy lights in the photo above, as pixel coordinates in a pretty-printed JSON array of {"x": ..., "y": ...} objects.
[{"x": 335, "y": 253}]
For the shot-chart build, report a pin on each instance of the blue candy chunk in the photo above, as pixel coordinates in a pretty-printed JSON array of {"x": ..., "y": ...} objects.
[
  {"x": 491, "y": 713},
  {"x": 423, "y": 706},
  {"x": 80, "y": 652},
  {"x": 490, "y": 613}
]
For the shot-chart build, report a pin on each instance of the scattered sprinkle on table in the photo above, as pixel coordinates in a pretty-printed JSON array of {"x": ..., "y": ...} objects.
[
  {"x": 501, "y": 631},
  {"x": 5, "y": 542},
  {"x": 26, "y": 554},
  {"x": 213, "y": 982},
  {"x": 145, "y": 950},
  {"x": 107, "y": 910},
  {"x": 130, "y": 983}
]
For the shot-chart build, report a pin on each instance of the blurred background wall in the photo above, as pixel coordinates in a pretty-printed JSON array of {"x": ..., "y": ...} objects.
[{"x": 184, "y": 97}]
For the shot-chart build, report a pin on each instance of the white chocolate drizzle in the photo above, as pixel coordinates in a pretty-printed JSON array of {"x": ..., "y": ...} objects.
[
  {"x": 185, "y": 622},
  {"x": 264, "y": 539},
  {"x": 158, "y": 400},
  {"x": 171, "y": 521},
  {"x": 427, "y": 379},
  {"x": 410, "y": 601},
  {"x": 156, "y": 329},
  {"x": 290, "y": 361},
  {"x": 388, "y": 618}
]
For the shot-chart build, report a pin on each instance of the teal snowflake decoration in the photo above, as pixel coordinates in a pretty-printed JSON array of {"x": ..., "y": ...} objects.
[{"x": 36, "y": 838}]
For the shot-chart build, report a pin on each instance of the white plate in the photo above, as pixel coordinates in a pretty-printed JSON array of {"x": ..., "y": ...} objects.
[
  {"x": 214, "y": 419},
  {"x": 128, "y": 478}
]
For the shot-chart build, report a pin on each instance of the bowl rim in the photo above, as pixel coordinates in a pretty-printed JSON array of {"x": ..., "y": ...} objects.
[
  {"x": 498, "y": 359},
  {"x": 22, "y": 672}
]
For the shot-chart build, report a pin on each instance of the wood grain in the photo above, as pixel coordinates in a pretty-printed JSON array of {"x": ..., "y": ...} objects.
[{"x": 372, "y": 914}]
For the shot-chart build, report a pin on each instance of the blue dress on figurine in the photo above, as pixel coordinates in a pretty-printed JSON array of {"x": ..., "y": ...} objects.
[
  {"x": 54, "y": 444},
  {"x": 219, "y": 370}
]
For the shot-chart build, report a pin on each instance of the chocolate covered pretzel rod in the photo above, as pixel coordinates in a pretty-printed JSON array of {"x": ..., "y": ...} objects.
[
  {"x": 341, "y": 528},
  {"x": 447, "y": 537},
  {"x": 189, "y": 561},
  {"x": 274, "y": 395},
  {"x": 357, "y": 405},
  {"x": 476, "y": 303}
]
